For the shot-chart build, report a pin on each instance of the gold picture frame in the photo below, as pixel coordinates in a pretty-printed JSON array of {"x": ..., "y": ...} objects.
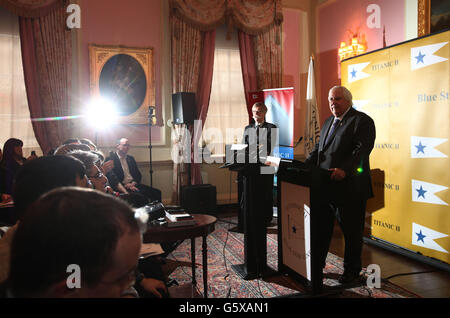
[
  {"x": 423, "y": 17},
  {"x": 124, "y": 75},
  {"x": 433, "y": 16}
]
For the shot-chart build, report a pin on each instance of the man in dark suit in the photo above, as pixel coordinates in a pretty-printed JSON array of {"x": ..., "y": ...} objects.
[
  {"x": 127, "y": 172},
  {"x": 258, "y": 136},
  {"x": 346, "y": 141}
]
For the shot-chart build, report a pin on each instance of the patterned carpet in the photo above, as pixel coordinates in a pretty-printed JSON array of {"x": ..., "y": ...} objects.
[{"x": 226, "y": 248}]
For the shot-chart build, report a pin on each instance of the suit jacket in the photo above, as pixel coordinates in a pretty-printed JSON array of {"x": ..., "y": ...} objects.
[
  {"x": 132, "y": 166},
  {"x": 265, "y": 135},
  {"x": 348, "y": 149}
]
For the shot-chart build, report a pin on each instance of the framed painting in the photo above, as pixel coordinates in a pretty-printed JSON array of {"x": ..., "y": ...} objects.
[
  {"x": 433, "y": 16},
  {"x": 125, "y": 76}
]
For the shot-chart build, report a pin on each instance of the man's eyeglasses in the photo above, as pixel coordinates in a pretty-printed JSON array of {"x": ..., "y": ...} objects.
[{"x": 97, "y": 175}]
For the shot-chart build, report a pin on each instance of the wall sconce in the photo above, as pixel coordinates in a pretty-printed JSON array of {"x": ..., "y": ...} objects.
[{"x": 356, "y": 46}]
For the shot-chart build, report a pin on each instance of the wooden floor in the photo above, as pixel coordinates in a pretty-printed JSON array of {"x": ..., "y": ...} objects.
[{"x": 435, "y": 284}]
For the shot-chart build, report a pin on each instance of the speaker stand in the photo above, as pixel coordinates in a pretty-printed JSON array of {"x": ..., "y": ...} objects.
[{"x": 151, "y": 115}]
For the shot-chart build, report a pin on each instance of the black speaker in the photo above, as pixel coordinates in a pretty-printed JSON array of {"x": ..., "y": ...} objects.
[
  {"x": 184, "y": 108},
  {"x": 199, "y": 199}
]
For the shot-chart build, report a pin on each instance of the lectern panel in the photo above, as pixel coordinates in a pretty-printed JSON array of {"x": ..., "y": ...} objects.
[{"x": 295, "y": 228}]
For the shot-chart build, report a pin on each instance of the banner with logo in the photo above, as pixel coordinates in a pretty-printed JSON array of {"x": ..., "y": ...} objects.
[{"x": 405, "y": 89}]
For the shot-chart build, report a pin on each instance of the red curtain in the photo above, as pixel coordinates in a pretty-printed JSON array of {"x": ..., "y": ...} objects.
[
  {"x": 46, "y": 56},
  {"x": 248, "y": 67},
  {"x": 203, "y": 96}
]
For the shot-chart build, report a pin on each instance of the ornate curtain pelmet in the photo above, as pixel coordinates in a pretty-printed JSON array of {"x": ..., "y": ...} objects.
[
  {"x": 32, "y": 8},
  {"x": 251, "y": 16}
]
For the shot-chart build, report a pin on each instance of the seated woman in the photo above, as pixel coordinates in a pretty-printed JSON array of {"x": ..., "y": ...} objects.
[
  {"x": 96, "y": 177},
  {"x": 11, "y": 161}
]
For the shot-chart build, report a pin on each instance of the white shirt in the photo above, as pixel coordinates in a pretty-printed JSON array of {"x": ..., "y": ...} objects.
[
  {"x": 127, "y": 178},
  {"x": 342, "y": 116},
  {"x": 258, "y": 125}
]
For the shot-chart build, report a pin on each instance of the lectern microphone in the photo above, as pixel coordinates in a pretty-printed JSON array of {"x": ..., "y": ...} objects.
[{"x": 298, "y": 141}]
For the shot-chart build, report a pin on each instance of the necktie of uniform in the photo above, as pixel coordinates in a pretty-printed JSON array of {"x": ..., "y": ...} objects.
[{"x": 333, "y": 128}]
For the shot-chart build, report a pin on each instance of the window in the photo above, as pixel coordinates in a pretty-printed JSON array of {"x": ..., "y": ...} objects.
[
  {"x": 14, "y": 112},
  {"x": 227, "y": 113}
]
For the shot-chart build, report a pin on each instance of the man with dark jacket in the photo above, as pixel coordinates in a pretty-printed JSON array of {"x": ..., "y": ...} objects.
[
  {"x": 346, "y": 141},
  {"x": 127, "y": 172},
  {"x": 258, "y": 136}
]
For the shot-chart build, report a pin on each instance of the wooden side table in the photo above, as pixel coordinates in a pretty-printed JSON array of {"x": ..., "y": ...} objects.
[{"x": 205, "y": 225}]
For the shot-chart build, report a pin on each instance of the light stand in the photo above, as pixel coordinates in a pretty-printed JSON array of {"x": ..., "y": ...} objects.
[
  {"x": 190, "y": 159},
  {"x": 151, "y": 115}
]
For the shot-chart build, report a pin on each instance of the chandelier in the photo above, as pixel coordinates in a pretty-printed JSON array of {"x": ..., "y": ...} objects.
[{"x": 356, "y": 45}]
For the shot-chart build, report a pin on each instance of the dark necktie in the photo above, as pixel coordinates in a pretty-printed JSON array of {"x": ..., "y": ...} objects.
[{"x": 333, "y": 128}]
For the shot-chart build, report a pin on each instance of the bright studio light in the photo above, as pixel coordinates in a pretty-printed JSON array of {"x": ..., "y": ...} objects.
[{"x": 101, "y": 113}]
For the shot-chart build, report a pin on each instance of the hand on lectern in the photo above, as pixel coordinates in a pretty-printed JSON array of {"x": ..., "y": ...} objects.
[
  {"x": 272, "y": 161},
  {"x": 337, "y": 174}
]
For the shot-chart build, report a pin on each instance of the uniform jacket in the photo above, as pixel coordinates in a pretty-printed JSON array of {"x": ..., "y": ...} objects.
[{"x": 251, "y": 137}]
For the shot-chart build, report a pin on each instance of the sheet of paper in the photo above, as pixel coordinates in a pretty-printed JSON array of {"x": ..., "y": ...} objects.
[
  {"x": 238, "y": 146},
  {"x": 151, "y": 249}
]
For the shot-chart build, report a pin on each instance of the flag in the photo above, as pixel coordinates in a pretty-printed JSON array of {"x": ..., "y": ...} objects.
[
  {"x": 425, "y": 192},
  {"x": 312, "y": 124},
  {"x": 424, "y": 147},
  {"x": 423, "y": 56},
  {"x": 355, "y": 72},
  {"x": 424, "y": 237}
]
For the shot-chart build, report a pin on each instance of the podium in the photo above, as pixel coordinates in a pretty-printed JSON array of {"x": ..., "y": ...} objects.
[
  {"x": 253, "y": 223},
  {"x": 301, "y": 190}
]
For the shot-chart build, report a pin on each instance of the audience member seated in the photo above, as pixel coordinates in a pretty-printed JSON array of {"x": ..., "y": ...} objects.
[
  {"x": 88, "y": 142},
  {"x": 105, "y": 167},
  {"x": 71, "y": 141},
  {"x": 150, "y": 267},
  {"x": 49, "y": 173},
  {"x": 127, "y": 172},
  {"x": 37, "y": 177},
  {"x": 66, "y": 148},
  {"x": 44, "y": 174},
  {"x": 59, "y": 232},
  {"x": 94, "y": 174},
  {"x": 11, "y": 162}
]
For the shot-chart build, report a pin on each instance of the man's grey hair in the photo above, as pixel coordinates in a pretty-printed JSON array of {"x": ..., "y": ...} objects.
[
  {"x": 260, "y": 104},
  {"x": 347, "y": 94},
  {"x": 120, "y": 139}
]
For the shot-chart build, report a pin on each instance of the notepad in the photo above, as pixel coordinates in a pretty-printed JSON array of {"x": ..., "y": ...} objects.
[{"x": 182, "y": 219}]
